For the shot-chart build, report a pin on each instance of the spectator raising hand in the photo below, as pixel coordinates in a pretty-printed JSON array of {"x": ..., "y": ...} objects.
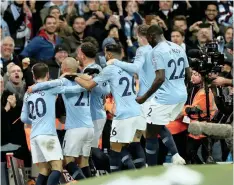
[
  {"x": 113, "y": 20},
  {"x": 195, "y": 26},
  {"x": 157, "y": 20},
  {"x": 91, "y": 20}
]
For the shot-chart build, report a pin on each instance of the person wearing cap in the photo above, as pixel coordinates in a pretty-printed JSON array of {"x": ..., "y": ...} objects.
[{"x": 54, "y": 64}]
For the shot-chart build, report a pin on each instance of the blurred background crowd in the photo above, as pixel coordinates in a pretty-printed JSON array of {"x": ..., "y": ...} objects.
[{"x": 50, "y": 31}]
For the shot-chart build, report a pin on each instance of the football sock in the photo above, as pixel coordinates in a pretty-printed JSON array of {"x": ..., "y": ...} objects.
[
  {"x": 136, "y": 149},
  {"x": 126, "y": 158},
  {"x": 54, "y": 178},
  {"x": 115, "y": 161},
  {"x": 168, "y": 140},
  {"x": 41, "y": 179},
  {"x": 74, "y": 171},
  {"x": 86, "y": 171},
  {"x": 151, "y": 149}
]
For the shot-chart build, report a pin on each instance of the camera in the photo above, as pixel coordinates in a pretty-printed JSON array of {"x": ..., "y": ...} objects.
[{"x": 207, "y": 60}]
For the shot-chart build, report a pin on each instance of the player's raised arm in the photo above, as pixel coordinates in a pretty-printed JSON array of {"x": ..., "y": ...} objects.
[
  {"x": 140, "y": 53},
  {"x": 132, "y": 67}
]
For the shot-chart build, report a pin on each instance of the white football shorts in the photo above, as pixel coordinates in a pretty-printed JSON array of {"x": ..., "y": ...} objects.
[
  {"x": 161, "y": 114},
  {"x": 123, "y": 131},
  {"x": 45, "y": 148},
  {"x": 77, "y": 142},
  {"x": 98, "y": 128}
]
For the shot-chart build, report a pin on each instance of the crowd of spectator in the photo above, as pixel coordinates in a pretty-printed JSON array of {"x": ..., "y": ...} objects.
[{"x": 49, "y": 31}]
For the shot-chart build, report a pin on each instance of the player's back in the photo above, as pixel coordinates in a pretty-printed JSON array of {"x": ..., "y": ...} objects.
[
  {"x": 173, "y": 59},
  {"x": 77, "y": 106},
  {"x": 122, "y": 87},
  {"x": 41, "y": 112},
  {"x": 96, "y": 101}
]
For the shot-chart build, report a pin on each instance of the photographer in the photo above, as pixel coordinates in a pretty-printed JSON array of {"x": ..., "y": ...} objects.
[
  {"x": 223, "y": 80},
  {"x": 196, "y": 109},
  {"x": 223, "y": 91}
]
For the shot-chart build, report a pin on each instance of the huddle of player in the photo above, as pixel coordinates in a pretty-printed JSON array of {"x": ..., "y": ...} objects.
[{"x": 161, "y": 67}]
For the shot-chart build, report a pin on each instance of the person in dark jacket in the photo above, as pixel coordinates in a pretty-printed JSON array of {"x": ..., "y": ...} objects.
[
  {"x": 12, "y": 129},
  {"x": 95, "y": 22},
  {"x": 76, "y": 39},
  {"x": 15, "y": 18},
  {"x": 42, "y": 46}
]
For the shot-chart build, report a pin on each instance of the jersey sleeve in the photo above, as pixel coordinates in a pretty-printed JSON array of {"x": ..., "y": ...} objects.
[
  {"x": 133, "y": 67},
  {"x": 24, "y": 112},
  {"x": 67, "y": 89},
  {"x": 158, "y": 61},
  {"x": 102, "y": 88},
  {"x": 104, "y": 76},
  {"x": 49, "y": 84}
]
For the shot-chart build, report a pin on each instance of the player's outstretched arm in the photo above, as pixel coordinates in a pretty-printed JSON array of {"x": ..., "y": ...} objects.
[
  {"x": 132, "y": 67},
  {"x": 87, "y": 84},
  {"x": 47, "y": 85},
  {"x": 158, "y": 81},
  {"x": 67, "y": 89}
]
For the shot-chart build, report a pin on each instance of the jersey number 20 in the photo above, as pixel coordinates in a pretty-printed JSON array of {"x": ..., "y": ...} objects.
[
  {"x": 35, "y": 106},
  {"x": 126, "y": 92}
]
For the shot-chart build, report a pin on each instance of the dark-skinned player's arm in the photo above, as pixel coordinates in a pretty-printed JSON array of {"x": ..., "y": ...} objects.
[
  {"x": 158, "y": 81},
  {"x": 187, "y": 75}
]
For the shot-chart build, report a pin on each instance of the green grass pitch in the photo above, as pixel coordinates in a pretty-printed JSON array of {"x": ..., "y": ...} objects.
[{"x": 213, "y": 174}]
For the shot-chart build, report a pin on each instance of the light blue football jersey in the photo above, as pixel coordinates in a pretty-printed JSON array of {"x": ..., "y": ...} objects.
[
  {"x": 122, "y": 89},
  {"x": 98, "y": 94},
  {"x": 39, "y": 109},
  {"x": 77, "y": 105},
  {"x": 142, "y": 66},
  {"x": 172, "y": 58}
]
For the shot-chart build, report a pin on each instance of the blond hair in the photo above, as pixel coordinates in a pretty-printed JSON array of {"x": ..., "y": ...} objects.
[{"x": 71, "y": 64}]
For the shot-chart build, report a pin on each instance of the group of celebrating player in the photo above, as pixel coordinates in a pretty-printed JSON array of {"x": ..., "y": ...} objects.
[{"x": 161, "y": 66}]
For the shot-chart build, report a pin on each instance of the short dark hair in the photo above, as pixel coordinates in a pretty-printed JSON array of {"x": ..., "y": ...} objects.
[
  {"x": 92, "y": 40},
  {"x": 40, "y": 70},
  {"x": 76, "y": 17},
  {"x": 154, "y": 30},
  {"x": 142, "y": 29},
  {"x": 48, "y": 17},
  {"x": 178, "y": 30},
  {"x": 204, "y": 25},
  {"x": 52, "y": 8},
  {"x": 114, "y": 49},
  {"x": 212, "y": 3},
  {"x": 180, "y": 18},
  {"x": 89, "y": 49}
]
